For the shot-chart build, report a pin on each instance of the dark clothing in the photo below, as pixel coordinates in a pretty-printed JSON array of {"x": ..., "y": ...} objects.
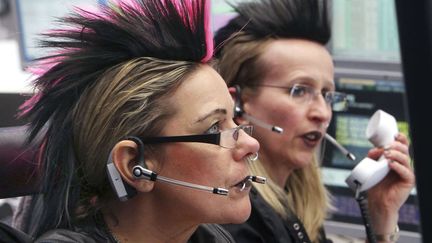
[
  {"x": 12, "y": 235},
  {"x": 96, "y": 231},
  {"x": 211, "y": 233},
  {"x": 266, "y": 226}
]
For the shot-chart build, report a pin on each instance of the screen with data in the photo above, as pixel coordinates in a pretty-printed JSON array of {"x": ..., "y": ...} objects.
[
  {"x": 365, "y": 30},
  {"x": 366, "y": 95}
]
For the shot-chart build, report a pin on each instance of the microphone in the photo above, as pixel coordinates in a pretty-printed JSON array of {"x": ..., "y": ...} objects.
[
  {"x": 342, "y": 149},
  {"x": 238, "y": 112},
  {"x": 143, "y": 173}
]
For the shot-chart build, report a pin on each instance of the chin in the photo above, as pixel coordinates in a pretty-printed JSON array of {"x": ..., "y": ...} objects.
[
  {"x": 240, "y": 218},
  {"x": 302, "y": 161},
  {"x": 237, "y": 214},
  {"x": 304, "y": 157}
]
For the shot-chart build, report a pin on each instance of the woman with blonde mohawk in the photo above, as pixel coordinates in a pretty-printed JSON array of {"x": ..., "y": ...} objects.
[
  {"x": 274, "y": 57},
  {"x": 139, "y": 142}
]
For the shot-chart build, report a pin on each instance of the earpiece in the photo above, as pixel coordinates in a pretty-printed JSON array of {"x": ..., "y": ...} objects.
[
  {"x": 238, "y": 105},
  {"x": 123, "y": 190}
]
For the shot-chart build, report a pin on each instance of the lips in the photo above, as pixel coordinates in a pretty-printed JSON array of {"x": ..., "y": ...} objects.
[
  {"x": 312, "y": 138},
  {"x": 244, "y": 184}
]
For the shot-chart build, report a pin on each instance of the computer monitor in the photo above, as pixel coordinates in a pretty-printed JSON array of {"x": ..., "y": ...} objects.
[
  {"x": 366, "y": 93},
  {"x": 364, "y": 30},
  {"x": 36, "y": 17}
]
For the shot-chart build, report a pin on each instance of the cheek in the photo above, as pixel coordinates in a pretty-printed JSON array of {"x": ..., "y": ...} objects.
[
  {"x": 282, "y": 112},
  {"x": 192, "y": 162},
  {"x": 286, "y": 115}
]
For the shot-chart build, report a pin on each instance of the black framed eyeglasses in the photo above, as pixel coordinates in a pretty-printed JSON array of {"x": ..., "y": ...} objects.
[
  {"x": 226, "y": 138},
  {"x": 304, "y": 94}
]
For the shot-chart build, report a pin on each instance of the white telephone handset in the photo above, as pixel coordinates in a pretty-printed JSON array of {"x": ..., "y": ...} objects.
[{"x": 381, "y": 132}]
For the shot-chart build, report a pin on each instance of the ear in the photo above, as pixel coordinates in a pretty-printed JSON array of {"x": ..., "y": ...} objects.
[
  {"x": 234, "y": 94},
  {"x": 238, "y": 105},
  {"x": 125, "y": 157}
]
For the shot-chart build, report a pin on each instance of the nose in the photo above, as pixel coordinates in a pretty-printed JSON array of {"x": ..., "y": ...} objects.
[
  {"x": 320, "y": 111},
  {"x": 246, "y": 145}
]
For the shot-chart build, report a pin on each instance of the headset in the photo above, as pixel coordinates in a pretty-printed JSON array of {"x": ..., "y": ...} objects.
[
  {"x": 140, "y": 171},
  {"x": 123, "y": 190}
]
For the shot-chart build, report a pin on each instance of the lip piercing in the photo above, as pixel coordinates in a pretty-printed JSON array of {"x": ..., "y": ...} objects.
[{"x": 243, "y": 186}]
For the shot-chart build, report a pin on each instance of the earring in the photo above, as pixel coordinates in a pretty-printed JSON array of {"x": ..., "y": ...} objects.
[{"x": 253, "y": 157}]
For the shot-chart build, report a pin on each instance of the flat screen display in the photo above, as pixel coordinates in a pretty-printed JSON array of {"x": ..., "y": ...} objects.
[{"x": 365, "y": 30}]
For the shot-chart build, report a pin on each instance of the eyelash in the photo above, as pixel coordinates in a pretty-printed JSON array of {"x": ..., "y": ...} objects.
[{"x": 217, "y": 124}]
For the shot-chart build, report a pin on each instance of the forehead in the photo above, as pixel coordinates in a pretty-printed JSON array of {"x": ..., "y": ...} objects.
[
  {"x": 202, "y": 92},
  {"x": 286, "y": 58}
]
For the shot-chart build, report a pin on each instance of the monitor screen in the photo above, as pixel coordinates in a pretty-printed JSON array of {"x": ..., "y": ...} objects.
[
  {"x": 365, "y": 30},
  {"x": 36, "y": 17},
  {"x": 367, "y": 93}
]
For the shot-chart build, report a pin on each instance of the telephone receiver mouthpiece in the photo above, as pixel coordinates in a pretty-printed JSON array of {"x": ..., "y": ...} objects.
[{"x": 381, "y": 132}]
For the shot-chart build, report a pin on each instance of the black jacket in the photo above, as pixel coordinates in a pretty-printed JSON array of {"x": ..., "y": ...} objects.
[
  {"x": 206, "y": 233},
  {"x": 266, "y": 226}
]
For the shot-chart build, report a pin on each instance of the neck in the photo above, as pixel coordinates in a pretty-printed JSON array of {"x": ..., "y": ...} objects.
[
  {"x": 277, "y": 170},
  {"x": 131, "y": 221}
]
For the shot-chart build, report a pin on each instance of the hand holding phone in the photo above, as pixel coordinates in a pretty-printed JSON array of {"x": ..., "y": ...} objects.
[{"x": 381, "y": 132}]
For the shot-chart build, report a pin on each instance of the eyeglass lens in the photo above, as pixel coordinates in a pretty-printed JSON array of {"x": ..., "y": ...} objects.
[
  {"x": 305, "y": 94},
  {"x": 228, "y": 138}
]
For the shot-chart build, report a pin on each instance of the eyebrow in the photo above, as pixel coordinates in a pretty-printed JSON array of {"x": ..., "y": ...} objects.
[{"x": 212, "y": 113}]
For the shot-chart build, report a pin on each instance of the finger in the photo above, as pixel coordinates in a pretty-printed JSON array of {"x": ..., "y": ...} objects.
[
  {"x": 405, "y": 173},
  {"x": 402, "y": 138},
  {"x": 398, "y": 157},
  {"x": 375, "y": 153},
  {"x": 401, "y": 147}
]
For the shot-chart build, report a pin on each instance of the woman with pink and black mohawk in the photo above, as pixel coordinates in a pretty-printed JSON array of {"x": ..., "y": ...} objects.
[{"x": 139, "y": 144}]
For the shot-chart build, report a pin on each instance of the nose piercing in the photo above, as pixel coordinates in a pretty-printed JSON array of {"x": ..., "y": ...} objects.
[
  {"x": 324, "y": 125},
  {"x": 253, "y": 157}
]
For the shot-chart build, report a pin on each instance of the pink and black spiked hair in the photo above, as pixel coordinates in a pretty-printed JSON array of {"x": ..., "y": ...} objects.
[{"x": 109, "y": 78}]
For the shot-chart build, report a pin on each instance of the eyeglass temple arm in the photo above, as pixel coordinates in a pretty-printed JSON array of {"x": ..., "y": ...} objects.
[{"x": 202, "y": 138}]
